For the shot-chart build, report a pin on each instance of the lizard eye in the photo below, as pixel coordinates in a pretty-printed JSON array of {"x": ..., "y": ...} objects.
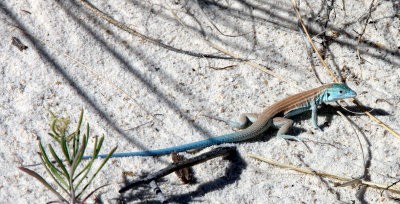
[
  {"x": 340, "y": 91},
  {"x": 328, "y": 95}
]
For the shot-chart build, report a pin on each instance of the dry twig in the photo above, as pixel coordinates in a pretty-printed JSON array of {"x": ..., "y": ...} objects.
[
  {"x": 218, "y": 152},
  {"x": 147, "y": 38}
]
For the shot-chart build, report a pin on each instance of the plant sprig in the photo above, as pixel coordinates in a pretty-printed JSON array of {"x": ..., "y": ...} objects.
[{"x": 68, "y": 172}]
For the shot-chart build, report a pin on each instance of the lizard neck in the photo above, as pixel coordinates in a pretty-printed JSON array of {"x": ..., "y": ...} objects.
[{"x": 320, "y": 98}]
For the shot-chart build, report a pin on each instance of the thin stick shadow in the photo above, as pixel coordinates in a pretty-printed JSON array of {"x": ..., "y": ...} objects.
[
  {"x": 377, "y": 52},
  {"x": 58, "y": 68}
]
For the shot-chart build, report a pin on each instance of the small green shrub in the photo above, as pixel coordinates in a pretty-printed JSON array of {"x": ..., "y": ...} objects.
[{"x": 68, "y": 171}]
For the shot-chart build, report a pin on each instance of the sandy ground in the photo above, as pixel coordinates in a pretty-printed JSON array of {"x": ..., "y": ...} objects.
[{"x": 161, "y": 94}]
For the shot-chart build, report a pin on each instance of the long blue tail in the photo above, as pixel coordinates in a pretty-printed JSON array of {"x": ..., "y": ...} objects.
[{"x": 194, "y": 145}]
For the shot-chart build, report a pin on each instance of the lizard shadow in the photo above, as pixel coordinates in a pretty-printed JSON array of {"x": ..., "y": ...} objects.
[{"x": 328, "y": 111}]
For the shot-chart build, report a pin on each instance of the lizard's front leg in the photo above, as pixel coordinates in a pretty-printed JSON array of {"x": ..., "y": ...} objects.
[
  {"x": 245, "y": 120},
  {"x": 314, "y": 116}
]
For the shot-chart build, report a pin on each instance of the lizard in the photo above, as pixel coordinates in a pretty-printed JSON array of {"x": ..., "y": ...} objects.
[{"x": 258, "y": 123}]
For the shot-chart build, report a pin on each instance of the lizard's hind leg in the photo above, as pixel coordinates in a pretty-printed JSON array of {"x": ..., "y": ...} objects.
[{"x": 283, "y": 125}]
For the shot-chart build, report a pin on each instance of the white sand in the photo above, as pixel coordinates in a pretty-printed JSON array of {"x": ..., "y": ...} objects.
[{"x": 176, "y": 88}]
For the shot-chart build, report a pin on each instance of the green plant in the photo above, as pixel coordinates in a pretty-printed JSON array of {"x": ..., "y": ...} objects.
[{"x": 69, "y": 173}]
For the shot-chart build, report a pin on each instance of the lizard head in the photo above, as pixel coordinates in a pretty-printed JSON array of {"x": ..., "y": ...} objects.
[{"x": 338, "y": 91}]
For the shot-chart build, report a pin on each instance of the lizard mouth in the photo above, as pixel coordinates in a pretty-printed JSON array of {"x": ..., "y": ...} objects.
[{"x": 352, "y": 94}]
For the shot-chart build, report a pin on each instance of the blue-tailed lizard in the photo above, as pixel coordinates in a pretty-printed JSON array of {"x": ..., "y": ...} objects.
[{"x": 290, "y": 106}]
